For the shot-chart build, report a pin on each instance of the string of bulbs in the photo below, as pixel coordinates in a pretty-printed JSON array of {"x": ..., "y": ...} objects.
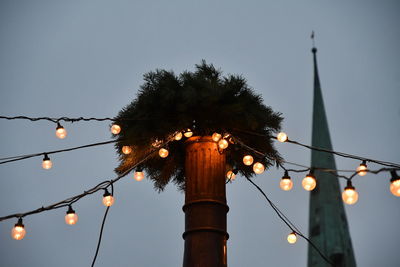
[
  {"x": 309, "y": 182},
  {"x": 349, "y": 195},
  {"x": 18, "y": 231}
]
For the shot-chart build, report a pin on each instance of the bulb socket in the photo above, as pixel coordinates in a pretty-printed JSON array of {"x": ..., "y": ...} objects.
[
  {"x": 286, "y": 175},
  {"x": 106, "y": 193},
  {"x": 59, "y": 126},
  {"x": 70, "y": 210},
  {"x": 349, "y": 186},
  {"x": 19, "y": 223},
  {"x": 395, "y": 177}
]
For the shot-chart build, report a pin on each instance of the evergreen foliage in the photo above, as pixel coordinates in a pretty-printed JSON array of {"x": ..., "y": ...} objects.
[{"x": 204, "y": 101}]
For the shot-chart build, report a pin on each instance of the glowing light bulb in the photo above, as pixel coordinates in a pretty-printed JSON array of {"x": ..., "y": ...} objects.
[
  {"x": 309, "y": 182},
  {"x": 286, "y": 183},
  {"x": 60, "y": 131},
  {"x": 248, "y": 160},
  {"x": 163, "y": 153},
  {"x": 216, "y": 137},
  {"x": 231, "y": 175},
  {"x": 46, "y": 164},
  {"x": 395, "y": 187},
  {"x": 223, "y": 144},
  {"x": 258, "y": 167},
  {"x": 156, "y": 143},
  {"x": 115, "y": 129},
  {"x": 108, "y": 199},
  {"x": 188, "y": 133},
  {"x": 292, "y": 238},
  {"x": 18, "y": 232},
  {"x": 139, "y": 175},
  {"x": 350, "y": 195},
  {"x": 362, "y": 169},
  {"x": 282, "y": 137},
  {"x": 395, "y": 184},
  {"x": 71, "y": 218},
  {"x": 178, "y": 136},
  {"x": 126, "y": 150}
]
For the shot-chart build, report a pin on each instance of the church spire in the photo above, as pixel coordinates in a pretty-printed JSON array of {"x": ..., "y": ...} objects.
[{"x": 328, "y": 228}]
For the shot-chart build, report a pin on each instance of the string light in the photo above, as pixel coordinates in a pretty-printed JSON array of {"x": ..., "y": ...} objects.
[
  {"x": 282, "y": 137},
  {"x": 231, "y": 175},
  {"x": 350, "y": 195},
  {"x": 139, "y": 175},
  {"x": 126, "y": 150},
  {"x": 188, "y": 133},
  {"x": 60, "y": 131},
  {"x": 108, "y": 199},
  {"x": 286, "y": 183},
  {"x": 362, "y": 169},
  {"x": 115, "y": 129},
  {"x": 178, "y": 136},
  {"x": 216, "y": 137},
  {"x": 46, "y": 164},
  {"x": 258, "y": 168},
  {"x": 248, "y": 160},
  {"x": 309, "y": 182},
  {"x": 395, "y": 184},
  {"x": 71, "y": 218},
  {"x": 292, "y": 238},
  {"x": 18, "y": 231},
  {"x": 223, "y": 144},
  {"x": 163, "y": 153}
]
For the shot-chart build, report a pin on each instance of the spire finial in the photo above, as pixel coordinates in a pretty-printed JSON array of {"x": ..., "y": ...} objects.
[{"x": 314, "y": 49}]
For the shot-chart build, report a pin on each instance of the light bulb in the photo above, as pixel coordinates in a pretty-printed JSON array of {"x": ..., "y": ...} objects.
[
  {"x": 156, "y": 143},
  {"x": 126, "y": 150},
  {"x": 350, "y": 195},
  {"x": 231, "y": 175},
  {"x": 258, "y": 168},
  {"x": 139, "y": 175},
  {"x": 395, "y": 184},
  {"x": 60, "y": 131},
  {"x": 216, "y": 137},
  {"x": 362, "y": 168},
  {"x": 286, "y": 183},
  {"x": 282, "y": 137},
  {"x": 71, "y": 217},
  {"x": 223, "y": 144},
  {"x": 115, "y": 129},
  {"x": 18, "y": 232},
  {"x": 46, "y": 164},
  {"x": 108, "y": 199},
  {"x": 163, "y": 153},
  {"x": 248, "y": 160},
  {"x": 188, "y": 133},
  {"x": 309, "y": 182},
  {"x": 178, "y": 136},
  {"x": 292, "y": 238}
]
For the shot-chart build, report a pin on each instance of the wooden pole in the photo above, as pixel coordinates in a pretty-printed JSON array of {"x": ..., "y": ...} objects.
[{"x": 205, "y": 204}]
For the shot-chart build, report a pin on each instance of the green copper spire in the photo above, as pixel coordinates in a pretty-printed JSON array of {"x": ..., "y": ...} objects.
[{"x": 328, "y": 228}]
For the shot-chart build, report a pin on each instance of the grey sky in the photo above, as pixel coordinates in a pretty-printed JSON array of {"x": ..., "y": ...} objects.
[{"x": 86, "y": 58}]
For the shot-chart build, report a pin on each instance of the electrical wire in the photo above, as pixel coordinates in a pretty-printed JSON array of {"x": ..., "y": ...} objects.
[
  {"x": 288, "y": 223},
  {"x": 68, "y": 119},
  {"x": 101, "y": 229},
  {"x": 73, "y": 199},
  {"x": 346, "y": 155},
  {"x": 341, "y": 154},
  {"x": 22, "y": 157}
]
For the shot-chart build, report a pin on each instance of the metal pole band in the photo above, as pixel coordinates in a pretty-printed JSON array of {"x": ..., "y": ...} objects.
[
  {"x": 204, "y": 201},
  {"x": 206, "y": 229}
]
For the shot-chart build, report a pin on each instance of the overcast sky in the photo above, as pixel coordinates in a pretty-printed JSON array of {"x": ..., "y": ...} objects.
[{"x": 87, "y": 58}]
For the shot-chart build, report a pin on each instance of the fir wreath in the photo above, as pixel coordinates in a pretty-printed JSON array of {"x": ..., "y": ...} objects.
[{"x": 203, "y": 101}]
